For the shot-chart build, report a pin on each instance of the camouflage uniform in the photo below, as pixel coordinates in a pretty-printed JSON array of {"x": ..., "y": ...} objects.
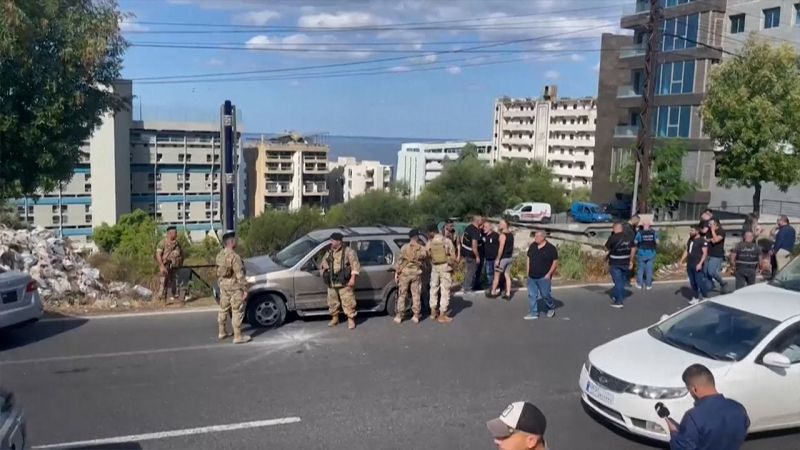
[
  {"x": 409, "y": 271},
  {"x": 232, "y": 290},
  {"x": 172, "y": 257},
  {"x": 340, "y": 296},
  {"x": 441, "y": 275}
]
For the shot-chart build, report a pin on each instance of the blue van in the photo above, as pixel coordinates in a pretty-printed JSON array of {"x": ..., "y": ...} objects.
[{"x": 585, "y": 212}]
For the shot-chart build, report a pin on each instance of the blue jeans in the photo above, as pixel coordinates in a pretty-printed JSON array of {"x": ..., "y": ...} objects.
[
  {"x": 488, "y": 267},
  {"x": 619, "y": 273},
  {"x": 698, "y": 282},
  {"x": 543, "y": 286},
  {"x": 644, "y": 270},
  {"x": 714, "y": 272}
]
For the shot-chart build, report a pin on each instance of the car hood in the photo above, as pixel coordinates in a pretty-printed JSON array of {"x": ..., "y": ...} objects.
[
  {"x": 260, "y": 265},
  {"x": 642, "y": 359}
]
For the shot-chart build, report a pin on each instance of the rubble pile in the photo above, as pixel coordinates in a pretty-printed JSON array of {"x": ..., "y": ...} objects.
[{"x": 59, "y": 270}]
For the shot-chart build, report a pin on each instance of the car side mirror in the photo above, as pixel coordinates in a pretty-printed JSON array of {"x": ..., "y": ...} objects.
[
  {"x": 777, "y": 360},
  {"x": 663, "y": 317}
]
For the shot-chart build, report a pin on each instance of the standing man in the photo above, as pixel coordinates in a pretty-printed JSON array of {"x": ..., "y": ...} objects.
[
  {"x": 491, "y": 246},
  {"x": 451, "y": 235},
  {"x": 715, "y": 422},
  {"x": 784, "y": 243},
  {"x": 541, "y": 265},
  {"x": 340, "y": 267},
  {"x": 716, "y": 254},
  {"x": 443, "y": 258},
  {"x": 745, "y": 260},
  {"x": 520, "y": 427},
  {"x": 621, "y": 251},
  {"x": 408, "y": 275},
  {"x": 470, "y": 253},
  {"x": 705, "y": 223},
  {"x": 169, "y": 256},
  {"x": 232, "y": 290},
  {"x": 695, "y": 257},
  {"x": 631, "y": 226},
  {"x": 646, "y": 242}
]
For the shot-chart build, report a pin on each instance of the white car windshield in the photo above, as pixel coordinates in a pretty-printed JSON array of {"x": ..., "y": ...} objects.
[
  {"x": 292, "y": 254},
  {"x": 789, "y": 276},
  {"x": 714, "y": 331}
]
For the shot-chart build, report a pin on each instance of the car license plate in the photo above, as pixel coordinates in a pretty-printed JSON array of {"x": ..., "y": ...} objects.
[
  {"x": 8, "y": 297},
  {"x": 599, "y": 393}
]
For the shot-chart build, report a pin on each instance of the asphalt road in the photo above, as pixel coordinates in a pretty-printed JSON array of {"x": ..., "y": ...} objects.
[{"x": 161, "y": 378}]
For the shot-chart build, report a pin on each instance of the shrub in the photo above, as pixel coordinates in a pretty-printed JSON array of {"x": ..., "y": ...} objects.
[
  {"x": 669, "y": 251},
  {"x": 273, "y": 230},
  {"x": 571, "y": 261},
  {"x": 372, "y": 208}
]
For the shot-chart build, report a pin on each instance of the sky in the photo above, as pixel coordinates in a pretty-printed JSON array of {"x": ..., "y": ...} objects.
[{"x": 384, "y": 68}]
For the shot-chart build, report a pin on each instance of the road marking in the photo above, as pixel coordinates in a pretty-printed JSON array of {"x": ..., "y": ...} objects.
[{"x": 174, "y": 433}]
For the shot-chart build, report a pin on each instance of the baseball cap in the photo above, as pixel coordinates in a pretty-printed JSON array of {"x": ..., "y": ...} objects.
[
  {"x": 413, "y": 233},
  {"x": 336, "y": 236},
  {"x": 518, "y": 416}
]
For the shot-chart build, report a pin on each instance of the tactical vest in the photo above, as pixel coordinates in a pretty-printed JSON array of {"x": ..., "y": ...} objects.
[
  {"x": 342, "y": 276},
  {"x": 648, "y": 240},
  {"x": 621, "y": 252},
  {"x": 747, "y": 255},
  {"x": 438, "y": 252}
]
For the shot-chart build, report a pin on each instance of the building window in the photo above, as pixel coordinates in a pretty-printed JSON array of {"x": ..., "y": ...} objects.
[
  {"x": 772, "y": 18},
  {"x": 673, "y": 121},
  {"x": 87, "y": 208},
  {"x": 151, "y": 177},
  {"x": 180, "y": 157},
  {"x": 671, "y": 3},
  {"x": 87, "y": 188},
  {"x": 88, "y": 218},
  {"x": 675, "y": 78},
  {"x": 680, "y": 32},
  {"x": 56, "y": 220},
  {"x": 797, "y": 14},
  {"x": 737, "y": 24},
  {"x": 620, "y": 157}
]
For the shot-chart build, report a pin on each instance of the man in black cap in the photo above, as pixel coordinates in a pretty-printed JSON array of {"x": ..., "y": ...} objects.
[
  {"x": 408, "y": 275},
  {"x": 520, "y": 427},
  {"x": 169, "y": 256},
  {"x": 340, "y": 268}
]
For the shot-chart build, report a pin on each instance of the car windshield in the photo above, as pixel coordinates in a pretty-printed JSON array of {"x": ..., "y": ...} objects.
[
  {"x": 789, "y": 276},
  {"x": 518, "y": 207},
  {"x": 594, "y": 209},
  {"x": 714, "y": 331},
  {"x": 292, "y": 254}
]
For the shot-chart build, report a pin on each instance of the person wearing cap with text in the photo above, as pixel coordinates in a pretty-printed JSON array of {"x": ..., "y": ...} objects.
[
  {"x": 520, "y": 427},
  {"x": 232, "y": 289},
  {"x": 340, "y": 268},
  {"x": 408, "y": 275}
]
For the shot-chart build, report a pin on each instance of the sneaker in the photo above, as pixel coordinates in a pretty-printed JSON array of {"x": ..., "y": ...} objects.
[
  {"x": 694, "y": 301},
  {"x": 507, "y": 297},
  {"x": 551, "y": 313},
  {"x": 638, "y": 286},
  {"x": 649, "y": 288},
  {"x": 531, "y": 317},
  {"x": 617, "y": 305}
]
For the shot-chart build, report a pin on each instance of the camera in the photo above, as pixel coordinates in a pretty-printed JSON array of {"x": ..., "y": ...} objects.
[{"x": 661, "y": 410}]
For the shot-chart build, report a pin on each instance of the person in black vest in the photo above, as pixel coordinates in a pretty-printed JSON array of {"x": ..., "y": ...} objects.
[
  {"x": 471, "y": 242},
  {"x": 694, "y": 257},
  {"x": 745, "y": 260},
  {"x": 646, "y": 242},
  {"x": 621, "y": 250},
  {"x": 491, "y": 249},
  {"x": 502, "y": 272}
]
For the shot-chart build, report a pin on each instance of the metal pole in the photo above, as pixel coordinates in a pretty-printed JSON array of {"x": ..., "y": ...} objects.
[
  {"x": 644, "y": 144},
  {"x": 635, "y": 189},
  {"x": 228, "y": 206}
]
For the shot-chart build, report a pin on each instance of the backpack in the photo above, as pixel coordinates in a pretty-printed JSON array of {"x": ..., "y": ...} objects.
[{"x": 438, "y": 253}]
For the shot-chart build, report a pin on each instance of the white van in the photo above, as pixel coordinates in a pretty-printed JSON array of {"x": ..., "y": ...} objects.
[{"x": 530, "y": 212}]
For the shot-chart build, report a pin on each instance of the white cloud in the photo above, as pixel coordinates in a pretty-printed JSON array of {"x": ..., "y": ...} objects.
[
  {"x": 127, "y": 24},
  {"x": 257, "y": 18},
  {"x": 306, "y": 47},
  {"x": 215, "y": 62},
  {"x": 575, "y": 57},
  {"x": 399, "y": 69},
  {"x": 454, "y": 70},
  {"x": 552, "y": 75},
  {"x": 260, "y": 41},
  {"x": 295, "y": 83},
  {"x": 340, "y": 20}
]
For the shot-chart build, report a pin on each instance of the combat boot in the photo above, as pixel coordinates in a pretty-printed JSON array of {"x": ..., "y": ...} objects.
[
  {"x": 415, "y": 319},
  {"x": 434, "y": 314},
  {"x": 239, "y": 338},
  {"x": 351, "y": 324},
  {"x": 334, "y": 321},
  {"x": 443, "y": 318},
  {"x": 398, "y": 319},
  {"x": 223, "y": 333}
]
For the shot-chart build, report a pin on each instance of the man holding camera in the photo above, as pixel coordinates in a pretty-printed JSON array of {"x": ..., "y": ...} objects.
[{"x": 715, "y": 422}]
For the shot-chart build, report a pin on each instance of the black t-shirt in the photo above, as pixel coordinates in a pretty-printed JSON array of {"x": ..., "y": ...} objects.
[
  {"x": 541, "y": 259},
  {"x": 628, "y": 231},
  {"x": 491, "y": 245},
  {"x": 705, "y": 225},
  {"x": 717, "y": 250},
  {"x": 619, "y": 249},
  {"x": 694, "y": 250},
  {"x": 508, "y": 249},
  {"x": 471, "y": 233}
]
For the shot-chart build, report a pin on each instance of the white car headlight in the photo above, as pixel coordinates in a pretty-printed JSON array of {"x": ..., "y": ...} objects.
[{"x": 657, "y": 393}]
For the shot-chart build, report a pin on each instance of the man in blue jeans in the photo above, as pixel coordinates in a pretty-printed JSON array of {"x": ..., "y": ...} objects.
[
  {"x": 621, "y": 251},
  {"x": 695, "y": 256},
  {"x": 646, "y": 242},
  {"x": 542, "y": 263},
  {"x": 716, "y": 255}
]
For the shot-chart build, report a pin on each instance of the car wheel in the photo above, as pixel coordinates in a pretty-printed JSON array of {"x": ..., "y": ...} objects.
[
  {"x": 546, "y": 220},
  {"x": 391, "y": 304},
  {"x": 266, "y": 311},
  {"x": 515, "y": 218}
]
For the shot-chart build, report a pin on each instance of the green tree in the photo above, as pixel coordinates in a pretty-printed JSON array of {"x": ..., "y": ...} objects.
[
  {"x": 667, "y": 185},
  {"x": 57, "y": 60},
  {"x": 132, "y": 242},
  {"x": 580, "y": 194},
  {"x": 372, "y": 208},
  {"x": 273, "y": 230},
  {"x": 752, "y": 111},
  {"x": 626, "y": 176}
]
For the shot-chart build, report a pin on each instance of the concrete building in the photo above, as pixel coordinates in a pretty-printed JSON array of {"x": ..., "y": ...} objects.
[
  {"x": 287, "y": 172},
  {"x": 418, "y": 163},
  {"x": 361, "y": 177},
  {"x": 557, "y": 132},
  {"x": 695, "y": 35}
]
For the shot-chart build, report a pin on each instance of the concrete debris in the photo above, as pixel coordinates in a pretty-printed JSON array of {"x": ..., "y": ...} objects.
[{"x": 59, "y": 270}]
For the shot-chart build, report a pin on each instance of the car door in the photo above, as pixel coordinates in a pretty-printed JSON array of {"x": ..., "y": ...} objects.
[
  {"x": 376, "y": 259},
  {"x": 310, "y": 291},
  {"x": 525, "y": 213}
]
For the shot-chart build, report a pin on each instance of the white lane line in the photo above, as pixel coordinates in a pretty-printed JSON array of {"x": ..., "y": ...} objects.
[{"x": 174, "y": 433}]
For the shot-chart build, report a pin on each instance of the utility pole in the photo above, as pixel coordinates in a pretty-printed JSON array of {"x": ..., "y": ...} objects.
[
  {"x": 644, "y": 144},
  {"x": 228, "y": 131}
]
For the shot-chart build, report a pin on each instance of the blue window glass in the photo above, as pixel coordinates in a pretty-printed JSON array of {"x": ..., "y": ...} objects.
[
  {"x": 673, "y": 121},
  {"x": 692, "y": 31},
  {"x": 685, "y": 121},
  {"x": 737, "y": 24},
  {"x": 772, "y": 18},
  {"x": 688, "y": 77},
  {"x": 680, "y": 32},
  {"x": 671, "y": 3},
  {"x": 675, "y": 78}
]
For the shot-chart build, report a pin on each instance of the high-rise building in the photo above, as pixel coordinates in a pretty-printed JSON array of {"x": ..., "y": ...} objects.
[
  {"x": 287, "y": 172},
  {"x": 361, "y": 177},
  {"x": 418, "y": 163}
]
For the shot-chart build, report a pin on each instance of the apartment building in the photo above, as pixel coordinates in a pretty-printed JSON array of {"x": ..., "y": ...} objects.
[
  {"x": 361, "y": 177},
  {"x": 419, "y": 163},
  {"x": 696, "y": 35},
  {"x": 286, "y": 173},
  {"x": 556, "y": 132}
]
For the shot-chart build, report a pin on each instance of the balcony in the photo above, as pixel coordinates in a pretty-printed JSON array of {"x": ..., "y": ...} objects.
[
  {"x": 278, "y": 156},
  {"x": 279, "y": 168},
  {"x": 626, "y": 131},
  {"x": 315, "y": 189},
  {"x": 279, "y": 189},
  {"x": 315, "y": 167},
  {"x": 627, "y": 91},
  {"x": 315, "y": 158},
  {"x": 633, "y": 51}
]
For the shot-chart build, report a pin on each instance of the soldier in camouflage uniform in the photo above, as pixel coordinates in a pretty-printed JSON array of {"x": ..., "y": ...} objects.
[
  {"x": 169, "y": 255},
  {"x": 443, "y": 257},
  {"x": 340, "y": 269},
  {"x": 408, "y": 275},
  {"x": 232, "y": 290}
]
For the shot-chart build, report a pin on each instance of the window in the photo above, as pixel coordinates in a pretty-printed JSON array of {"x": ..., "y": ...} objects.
[
  {"x": 673, "y": 121},
  {"x": 772, "y": 18},
  {"x": 680, "y": 32},
  {"x": 787, "y": 344},
  {"x": 88, "y": 218},
  {"x": 637, "y": 81},
  {"x": 797, "y": 14},
  {"x": 737, "y": 24},
  {"x": 373, "y": 253},
  {"x": 619, "y": 159},
  {"x": 675, "y": 78},
  {"x": 671, "y": 3}
]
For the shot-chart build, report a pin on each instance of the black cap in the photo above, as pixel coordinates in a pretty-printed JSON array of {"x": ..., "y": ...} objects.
[
  {"x": 228, "y": 235},
  {"x": 171, "y": 227},
  {"x": 336, "y": 236},
  {"x": 519, "y": 416},
  {"x": 413, "y": 233}
]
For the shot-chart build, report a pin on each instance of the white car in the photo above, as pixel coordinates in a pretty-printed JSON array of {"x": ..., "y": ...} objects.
[
  {"x": 750, "y": 340},
  {"x": 530, "y": 212},
  {"x": 20, "y": 303}
]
